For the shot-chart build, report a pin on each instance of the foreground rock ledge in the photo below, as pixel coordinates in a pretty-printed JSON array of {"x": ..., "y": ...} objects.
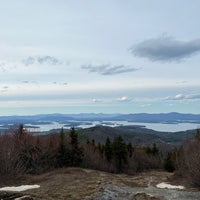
[{"x": 144, "y": 196}]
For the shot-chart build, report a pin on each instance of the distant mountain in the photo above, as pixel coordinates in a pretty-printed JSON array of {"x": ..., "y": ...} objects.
[
  {"x": 160, "y": 118},
  {"x": 139, "y": 117}
]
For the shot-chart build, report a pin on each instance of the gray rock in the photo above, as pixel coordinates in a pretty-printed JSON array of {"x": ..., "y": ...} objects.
[{"x": 144, "y": 196}]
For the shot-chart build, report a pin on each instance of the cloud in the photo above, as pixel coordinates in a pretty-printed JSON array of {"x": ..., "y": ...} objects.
[
  {"x": 181, "y": 82},
  {"x": 3, "y": 66},
  {"x": 166, "y": 49},
  {"x": 107, "y": 69},
  {"x": 26, "y": 82},
  {"x": 47, "y": 60},
  {"x": 96, "y": 100},
  {"x": 7, "y": 66},
  {"x": 29, "y": 61},
  {"x": 145, "y": 105},
  {"x": 124, "y": 99},
  {"x": 184, "y": 97},
  {"x": 4, "y": 89}
]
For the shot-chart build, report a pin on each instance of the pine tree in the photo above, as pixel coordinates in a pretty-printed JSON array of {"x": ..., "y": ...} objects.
[
  {"x": 93, "y": 142},
  {"x": 108, "y": 150},
  {"x": 168, "y": 163},
  {"x": 119, "y": 153},
  {"x": 152, "y": 151},
  {"x": 62, "y": 157},
  {"x": 155, "y": 150},
  {"x": 130, "y": 149},
  {"x": 100, "y": 147},
  {"x": 76, "y": 152},
  {"x": 20, "y": 134}
]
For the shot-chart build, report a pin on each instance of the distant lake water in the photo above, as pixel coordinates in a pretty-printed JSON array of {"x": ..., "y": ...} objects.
[
  {"x": 170, "y": 127},
  {"x": 155, "y": 126}
]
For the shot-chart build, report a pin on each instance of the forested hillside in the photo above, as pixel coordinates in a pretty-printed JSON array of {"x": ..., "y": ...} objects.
[{"x": 137, "y": 135}]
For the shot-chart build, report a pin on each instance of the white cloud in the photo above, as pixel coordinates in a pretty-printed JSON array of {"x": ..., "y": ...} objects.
[
  {"x": 184, "y": 97},
  {"x": 96, "y": 100},
  {"x": 145, "y": 105},
  {"x": 123, "y": 99}
]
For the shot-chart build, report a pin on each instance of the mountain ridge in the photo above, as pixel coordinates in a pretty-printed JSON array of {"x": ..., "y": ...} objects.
[{"x": 172, "y": 117}]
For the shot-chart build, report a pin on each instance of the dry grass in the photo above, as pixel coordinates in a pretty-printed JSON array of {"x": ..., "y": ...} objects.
[{"x": 78, "y": 183}]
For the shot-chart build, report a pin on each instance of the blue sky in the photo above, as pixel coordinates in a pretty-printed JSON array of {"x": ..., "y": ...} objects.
[{"x": 73, "y": 56}]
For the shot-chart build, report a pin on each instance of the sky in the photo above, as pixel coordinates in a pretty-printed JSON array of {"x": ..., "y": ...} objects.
[{"x": 116, "y": 56}]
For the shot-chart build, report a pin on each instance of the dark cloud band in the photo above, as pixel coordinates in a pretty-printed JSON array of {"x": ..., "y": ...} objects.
[
  {"x": 166, "y": 49},
  {"x": 108, "y": 69}
]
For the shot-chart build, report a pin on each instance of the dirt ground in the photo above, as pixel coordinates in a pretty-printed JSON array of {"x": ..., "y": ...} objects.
[{"x": 78, "y": 183}]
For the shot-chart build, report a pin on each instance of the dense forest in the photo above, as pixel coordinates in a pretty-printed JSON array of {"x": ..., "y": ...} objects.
[{"x": 23, "y": 153}]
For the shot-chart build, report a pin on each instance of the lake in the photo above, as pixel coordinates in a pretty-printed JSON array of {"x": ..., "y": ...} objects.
[{"x": 86, "y": 124}]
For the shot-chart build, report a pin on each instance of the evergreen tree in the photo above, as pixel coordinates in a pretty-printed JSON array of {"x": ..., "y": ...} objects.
[
  {"x": 20, "y": 134},
  {"x": 62, "y": 157},
  {"x": 148, "y": 150},
  {"x": 119, "y": 153},
  {"x": 108, "y": 150},
  {"x": 88, "y": 141},
  {"x": 197, "y": 134},
  {"x": 152, "y": 151},
  {"x": 76, "y": 152},
  {"x": 168, "y": 163},
  {"x": 100, "y": 148},
  {"x": 93, "y": 142},
  {"x": 130, "y": 149},
  {"x": 155, "y": 150}
]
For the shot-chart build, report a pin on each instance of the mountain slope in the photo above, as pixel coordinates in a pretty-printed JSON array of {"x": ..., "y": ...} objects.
[{"x": 135, "y": 134}]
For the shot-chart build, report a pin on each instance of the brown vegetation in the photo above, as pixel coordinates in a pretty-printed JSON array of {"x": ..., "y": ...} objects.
[
  {"x": 185, "y": 161},
  {"x": 191, "y": 155}
]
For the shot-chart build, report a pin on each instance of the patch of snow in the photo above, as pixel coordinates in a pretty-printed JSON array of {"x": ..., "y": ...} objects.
[
  {"x": 169, "y": 186},
  {"x": 19, "y": 188},
  {"x": 24, "y": 197}
]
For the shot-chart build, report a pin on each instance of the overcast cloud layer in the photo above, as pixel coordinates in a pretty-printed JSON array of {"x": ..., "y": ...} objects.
[{"x": 99, "y": 56}]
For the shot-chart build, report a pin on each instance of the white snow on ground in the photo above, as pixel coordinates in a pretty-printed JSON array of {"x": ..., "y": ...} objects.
[
  {"x": 23, "y": 197},
  {"x": 19, "y": 188},
  {"x": 169, "y": 186}
]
